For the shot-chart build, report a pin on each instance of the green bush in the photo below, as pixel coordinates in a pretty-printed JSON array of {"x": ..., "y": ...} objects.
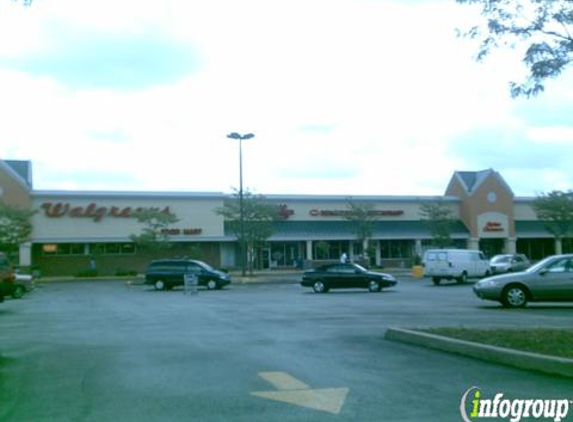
[
  {"x": 120, "y": 272},
  {"x": 87, "y": 273}
]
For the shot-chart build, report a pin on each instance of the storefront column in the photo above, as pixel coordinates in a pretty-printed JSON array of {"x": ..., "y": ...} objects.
[
  {"x": 309, "y": 250},
  {"x": 473, "y": 243},
  {"x": 558, "y": 246},
  {"x": 26, "y": 254},
  {"x": 351, "y": 250},
  {"x": 378, "y": 254},
  {"x": 418, "y": 247},
  {"x": 510, "y": 245}
]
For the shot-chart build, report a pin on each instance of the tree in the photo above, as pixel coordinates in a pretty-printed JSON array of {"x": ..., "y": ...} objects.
[
  {"x": 438, "y": 217},
  {"x": 556, "y": 210},
  {"x": 362, "y": 216},
  {"x": 258, "y": 217},
  {"x": 15, "y": 228},
  {"x": 155, "y": 233},
  {"x": 544, "y": 26}
]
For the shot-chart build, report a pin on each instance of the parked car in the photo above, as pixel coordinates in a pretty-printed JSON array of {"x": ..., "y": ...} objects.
[
  {"x": 548, "y": 280},
  {"x": 455, "y": 264},
  {"x": 164, "y": 274},
  {"x": 6, "y": 277},
  {"x": 23, "y": 283},
  {"x": 508, "y": 263},
  {"x": 344, "y": 276}
]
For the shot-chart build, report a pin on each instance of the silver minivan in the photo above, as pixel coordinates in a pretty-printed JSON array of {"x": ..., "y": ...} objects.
[{"x": 455, "y": 264}]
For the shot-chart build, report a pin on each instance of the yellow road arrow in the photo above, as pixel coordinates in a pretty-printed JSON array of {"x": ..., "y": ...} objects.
[{"x": 294, "y": 391}]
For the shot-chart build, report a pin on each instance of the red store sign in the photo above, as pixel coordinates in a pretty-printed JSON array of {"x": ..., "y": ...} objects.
[
  {"x": 93, "y": 211},
  {"x": 493, "y": 226}
]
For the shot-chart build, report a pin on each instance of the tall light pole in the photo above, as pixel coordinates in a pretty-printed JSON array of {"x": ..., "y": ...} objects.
[{"x": 240, "y": 137}]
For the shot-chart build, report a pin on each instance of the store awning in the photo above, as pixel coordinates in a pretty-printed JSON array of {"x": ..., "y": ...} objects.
[
  {"x": 531, "y": 229},
  {"x": 342, "y": 230}
]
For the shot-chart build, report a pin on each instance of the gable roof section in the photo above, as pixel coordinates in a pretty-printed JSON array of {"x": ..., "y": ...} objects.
[
  {"x": 16, "y": 170},
  {"x": 472, "y": 180},
  {"x": 23, "y": 169}
]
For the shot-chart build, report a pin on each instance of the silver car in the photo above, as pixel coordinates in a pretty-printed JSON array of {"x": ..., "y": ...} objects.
[
  {"x": 549, "y": 280},
  {"x": 508, "y": 263}
]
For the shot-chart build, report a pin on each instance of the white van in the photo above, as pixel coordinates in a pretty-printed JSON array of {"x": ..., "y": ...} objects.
[{"x": 458, "y": 264}]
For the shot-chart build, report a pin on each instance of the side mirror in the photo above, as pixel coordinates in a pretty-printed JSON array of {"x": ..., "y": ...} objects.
[{"x": 543, "y": 271}]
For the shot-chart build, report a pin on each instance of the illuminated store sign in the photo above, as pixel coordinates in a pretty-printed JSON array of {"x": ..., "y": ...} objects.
[
  {"x": 93, "y": 211},
  {"x": 493, "y": 226},
  {"x": 346, "y": 213},
  {"x": 285, "y": 212}
]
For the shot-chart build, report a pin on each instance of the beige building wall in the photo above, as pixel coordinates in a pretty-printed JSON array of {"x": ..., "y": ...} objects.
[
  {"x": 523, "y": 211},
  {"x": 93, "y": 219},
  {"x": 395, "y": 210}
]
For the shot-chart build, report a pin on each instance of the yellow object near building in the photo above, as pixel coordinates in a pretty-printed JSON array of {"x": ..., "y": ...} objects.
[{"x": 417, "y": 271}]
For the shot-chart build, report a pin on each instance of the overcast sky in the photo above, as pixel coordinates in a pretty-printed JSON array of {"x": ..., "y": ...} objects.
[{"x": 345, "y": 97}]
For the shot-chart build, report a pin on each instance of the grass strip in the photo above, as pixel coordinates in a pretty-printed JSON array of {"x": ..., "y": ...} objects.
[{"x": 545, "y": 341}]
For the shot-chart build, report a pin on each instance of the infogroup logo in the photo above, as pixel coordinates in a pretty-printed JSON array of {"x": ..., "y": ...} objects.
[{"x": 474, "y": 407}]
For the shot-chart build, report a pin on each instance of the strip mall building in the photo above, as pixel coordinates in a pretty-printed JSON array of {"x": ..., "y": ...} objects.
[{"x": 72, "y": 228}]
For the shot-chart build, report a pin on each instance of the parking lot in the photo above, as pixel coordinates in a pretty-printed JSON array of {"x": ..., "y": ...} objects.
[{"x": 112, "y": 351}]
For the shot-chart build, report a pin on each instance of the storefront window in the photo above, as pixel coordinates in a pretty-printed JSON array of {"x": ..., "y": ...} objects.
[
  {"x": 286, "y": 254},
  {"x": 64, "y": 249},
  {"x": 392, "y": 249},
  {"x": 112, "y": 248},
  {"x": 536, "y": 249},
  {"x": 329, "y": 249}
]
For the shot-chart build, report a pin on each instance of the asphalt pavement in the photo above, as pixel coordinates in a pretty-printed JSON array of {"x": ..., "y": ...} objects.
[{"x": 118, "y": 351}]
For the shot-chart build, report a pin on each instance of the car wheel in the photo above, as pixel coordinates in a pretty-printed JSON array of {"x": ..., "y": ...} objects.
[
  {"x": 159, "y": 285},
  {"x": 212, "y": 285},
  {"x": 319, "y": 287},
  {"x": 18, "y": 292},
  {"x": 436, "y": 280},
  {"x": 514, "y": 297},
  {"x": 463, "y": 278},
  {"x": 374, "y": 286}
]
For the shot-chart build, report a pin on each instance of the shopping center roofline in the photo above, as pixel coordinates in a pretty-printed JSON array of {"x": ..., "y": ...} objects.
[
  {"x": 359, "y": 198},
  {"x": 126, "y": 194},
  {"x": 221, "y": 195}
]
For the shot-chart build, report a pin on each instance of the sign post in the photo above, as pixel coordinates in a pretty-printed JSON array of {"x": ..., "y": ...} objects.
[{"x": 190, "y": 282}]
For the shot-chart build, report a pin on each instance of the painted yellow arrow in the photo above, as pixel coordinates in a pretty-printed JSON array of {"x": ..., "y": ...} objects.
[{"x": 294, "y": 391}]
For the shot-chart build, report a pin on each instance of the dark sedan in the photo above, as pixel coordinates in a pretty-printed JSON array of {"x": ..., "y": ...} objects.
[{"x": 345, "y": 276}]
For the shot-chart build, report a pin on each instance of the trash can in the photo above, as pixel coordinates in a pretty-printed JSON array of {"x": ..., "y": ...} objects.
[{"x": 417, "y": 271}]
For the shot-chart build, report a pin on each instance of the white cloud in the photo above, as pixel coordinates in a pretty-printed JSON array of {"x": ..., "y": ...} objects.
[{"x": 344, "y": 96}]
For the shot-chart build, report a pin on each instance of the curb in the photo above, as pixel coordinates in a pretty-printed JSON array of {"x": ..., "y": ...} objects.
[{"x": 523, "y": 360}]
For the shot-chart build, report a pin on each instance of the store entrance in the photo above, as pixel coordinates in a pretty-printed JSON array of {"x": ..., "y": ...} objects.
[{"x": 491, "y": 247}]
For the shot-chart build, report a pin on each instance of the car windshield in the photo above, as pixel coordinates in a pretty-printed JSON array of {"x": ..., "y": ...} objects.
[
  {"x": 541, "y": 264},
  {"x": 360, "y": 267},
  {"x": 501, "y": 259},
  {"x": 205, "y": 266}
]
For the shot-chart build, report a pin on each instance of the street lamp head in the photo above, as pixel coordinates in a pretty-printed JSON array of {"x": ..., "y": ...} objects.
[{"x": 236, "y": 135}]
